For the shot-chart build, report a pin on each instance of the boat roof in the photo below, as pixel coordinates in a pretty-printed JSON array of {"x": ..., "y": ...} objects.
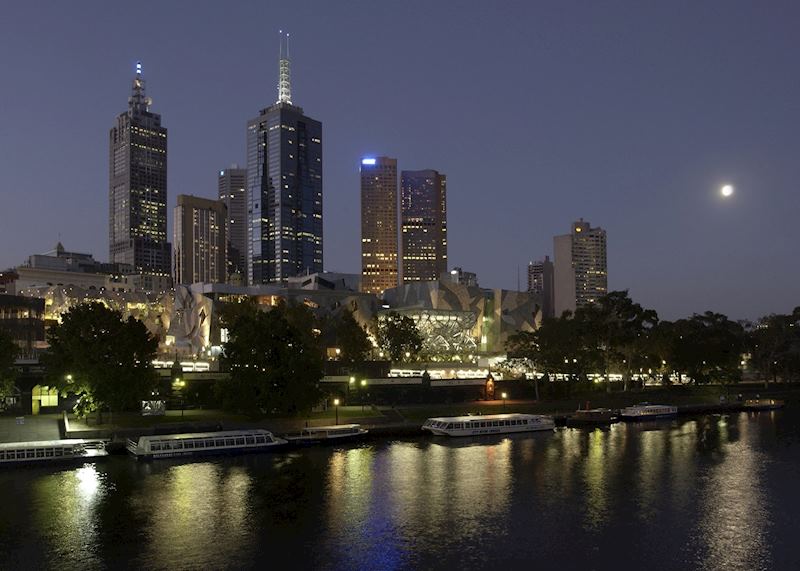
[
  {"x": 216, "y": 434},
  {"x": 330, "y": 427},
  {"x": 45, "y": 443},
  {"x": 467, "y": 418}
]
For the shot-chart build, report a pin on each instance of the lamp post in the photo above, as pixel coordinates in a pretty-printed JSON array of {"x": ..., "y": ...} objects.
[
  {"x": 363, "y": 388},
  {"x": 503, "y": 396},
  {"x": 336, "y": 406}
]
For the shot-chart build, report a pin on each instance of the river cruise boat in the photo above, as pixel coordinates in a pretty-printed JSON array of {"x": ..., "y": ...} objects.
[
  {"x": 487, "y": 424},
  {"x": 763, "y": 404},
  {"x": 203, "y": 443},
  {"x": 592, "y": 416},
  {"x": 646, "y": 411},
  {"x": 13, "y": 453},
  {"x": 327, "y": 434}
]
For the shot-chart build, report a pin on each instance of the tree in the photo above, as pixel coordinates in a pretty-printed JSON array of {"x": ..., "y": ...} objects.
[
  {"x": 617, "y": 325},
  {"x": 275, "y": 366},
  {"x": 105, "y": 360},
  {"x": 398, "y": 335},
  {"x": 351, "y": 339},
  {"x": 774, "y": 346},
  {"x": 708, "y": 348},
  {"x": 8, "y": 354}
]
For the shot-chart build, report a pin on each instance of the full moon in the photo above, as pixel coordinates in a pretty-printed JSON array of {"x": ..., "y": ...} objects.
[{"x": 727, "y": 190}]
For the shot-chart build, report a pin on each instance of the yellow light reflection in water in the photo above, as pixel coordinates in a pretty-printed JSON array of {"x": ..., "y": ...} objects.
[
  {"x": 194, "y": 506},
  {"x": 64, "y": 507},
  {"x": 733, "y": 528}
]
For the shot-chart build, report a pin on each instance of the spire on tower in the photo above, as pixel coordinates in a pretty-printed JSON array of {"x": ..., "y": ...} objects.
[
  {"x": 284, "y": 79},
  {"x": 138, "y": 101}
]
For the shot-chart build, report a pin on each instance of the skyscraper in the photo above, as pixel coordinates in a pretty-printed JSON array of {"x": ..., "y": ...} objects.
[
  {"x": 540, "y": 281},
  {"x": 200, "y": 240},
  {"x": 233, "y": 193},
  {"x": 138, "y": 190},
  {"x": 581, "y": 269},
  {"x": 423, "y": 212},
  {"x": 284, "y": 188},
  {"x": 378, "y": 224}
]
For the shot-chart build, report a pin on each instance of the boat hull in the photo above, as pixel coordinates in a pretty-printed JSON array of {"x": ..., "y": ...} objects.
[
  {"x": 212, "y": 452},
  {"x": 644, "y": 417},
  {"x": 489, "y": 430}
]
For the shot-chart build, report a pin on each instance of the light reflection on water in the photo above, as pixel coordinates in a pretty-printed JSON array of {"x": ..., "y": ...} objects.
[{"x": 690, "y": 494}]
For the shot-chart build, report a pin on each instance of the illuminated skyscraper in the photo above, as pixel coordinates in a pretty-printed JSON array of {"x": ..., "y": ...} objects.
[
  {"x": 378, "y": 224},
  {"x": 423, "y": 212},
  {"x": 540, "y": 280},
  {"x": 233, "y": 192},
  {"x": 200, "y": 240},
  {"x": 137, "y": 232},
  {"x": 581, "y": 267},
  {"x": 284, "y": 188}
]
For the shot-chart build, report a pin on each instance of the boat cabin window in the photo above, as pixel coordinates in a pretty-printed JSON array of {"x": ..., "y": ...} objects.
[
  {"x": 249, "y": 440},
  {"x": 59, "y": 452},
  {"x": 240, "y": 441}
]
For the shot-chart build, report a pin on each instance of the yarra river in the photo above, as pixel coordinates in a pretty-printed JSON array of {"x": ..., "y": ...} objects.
[{"x": 707, "y": 492}]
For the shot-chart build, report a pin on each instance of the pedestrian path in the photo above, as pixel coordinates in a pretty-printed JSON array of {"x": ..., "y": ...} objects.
[{"x": 29, "y": 428}]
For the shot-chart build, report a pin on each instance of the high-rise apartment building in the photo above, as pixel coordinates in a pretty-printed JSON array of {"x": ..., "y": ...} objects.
[
  {"x": 423, "y": 225},
  {"x": 137, "y": 233},
  {"x": 233, "y": 193},
  {"x": 581, "y": 267},
  {"x": 284, "y": 182},
  {"x": 378, "y": 224},
  {"x": 200, "y": 240},
  {"x": 540, "y": 281}
]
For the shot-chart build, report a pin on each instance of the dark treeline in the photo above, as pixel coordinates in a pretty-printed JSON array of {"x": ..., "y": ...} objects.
[{"x": 618, "y": 336}]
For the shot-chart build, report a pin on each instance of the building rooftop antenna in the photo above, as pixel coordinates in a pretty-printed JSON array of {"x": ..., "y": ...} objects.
[{"x": 284, "y": 77}]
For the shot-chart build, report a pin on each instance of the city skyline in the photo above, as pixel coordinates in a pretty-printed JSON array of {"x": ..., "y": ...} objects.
[{"x": 655, "y": 134}]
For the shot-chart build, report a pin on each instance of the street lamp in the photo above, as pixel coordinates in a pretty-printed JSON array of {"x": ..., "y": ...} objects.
[
  {"x": 504, "y": 396},
  {"x": 336, "y": 405},
  {"x": 363, "y": 387}
]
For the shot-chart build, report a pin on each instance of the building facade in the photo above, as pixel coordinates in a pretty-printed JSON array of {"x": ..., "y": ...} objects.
[
  {"x": 540, "y": 281},
  {"x": 138, "y": 189},
  {"x": 379, "y": 251},
  {"x": 284, "y": 182},
  {"x": 459, "y": 276},
  {"x": 200, "y": 240},
  {"x": 423, "y": 225},
  {"x": 581, "y": 267},
  {"x": 232, "y": 185}
]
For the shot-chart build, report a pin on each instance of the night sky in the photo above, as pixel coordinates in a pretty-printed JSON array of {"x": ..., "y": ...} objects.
[{"x": 631, "y": 115}]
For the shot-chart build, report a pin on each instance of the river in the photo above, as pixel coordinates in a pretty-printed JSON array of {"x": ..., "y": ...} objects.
[{"x": 706, "y": 493}]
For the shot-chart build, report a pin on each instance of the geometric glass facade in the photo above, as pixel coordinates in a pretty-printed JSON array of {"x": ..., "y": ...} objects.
[{"x": 138, "y": 189}]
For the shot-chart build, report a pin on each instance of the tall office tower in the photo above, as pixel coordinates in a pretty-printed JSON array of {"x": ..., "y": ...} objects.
[
  {"x": 423, "y": 225},
  {"x": 284, "y": 188},
  {"x": 137, "y": 230},
  {"x": 540, "y": 281},
  {"x": 581, "y": 269},
  {"x": 378, "y": 224},
  {"x": 200, "y": 240},
  {"x": 233, "y": 193}
]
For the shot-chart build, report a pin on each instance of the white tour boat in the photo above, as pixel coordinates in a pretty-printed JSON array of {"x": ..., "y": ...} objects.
[
  {"x": 51, "y": 450},
  {"x": 321, "y": 434},
  {"x": 200, "y": 443},
  {"x": 487, "y": 424},
  {"x": 645, "y": 411}
]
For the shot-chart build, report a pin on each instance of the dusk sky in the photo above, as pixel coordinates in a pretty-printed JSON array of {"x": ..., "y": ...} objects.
[{"x": 631, "y": 115}]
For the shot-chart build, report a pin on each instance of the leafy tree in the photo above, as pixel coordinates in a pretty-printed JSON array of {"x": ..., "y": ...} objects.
[
  {"x": 351, "y": 339},
  {"x": 398, "y": 335},
  {"x": 616, "y": 325},
  {"x": 275, "y": 366},
  {"x": 8, "y": 353},
  {"x": 708, "y": 348},
  {"x": 104, "y": 359},
  {"x": 774, "y": 346}
]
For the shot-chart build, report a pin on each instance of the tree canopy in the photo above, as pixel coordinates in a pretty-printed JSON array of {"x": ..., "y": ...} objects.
[
  {"x": 398, "y": 335},
  {"x": 274, "y": 361},
  {"x": 8, "y": 353},
  {"x": 351, "y": 339},
  {"x": 104, "y": 359}
]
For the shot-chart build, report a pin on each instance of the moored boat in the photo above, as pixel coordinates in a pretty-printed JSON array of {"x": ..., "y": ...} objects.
[
  {"x": 763, "y": 404},
  {"x": 592, "y": 416},
  {"x": 323, "y": 434},
  {"x": 50, "y": 451},
  {"x": 487, "y": 424},
  {"x": 647, "y": 411},
  {"x": 203, "y": 443}
]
